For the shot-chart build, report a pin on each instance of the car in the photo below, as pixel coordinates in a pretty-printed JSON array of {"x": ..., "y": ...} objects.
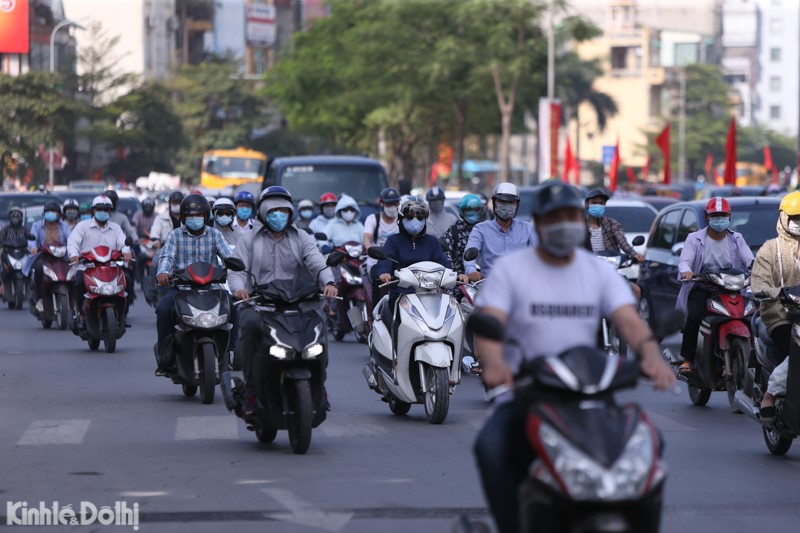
[
  {"x": 728, "y": 191},
  {"x": 22, "y": 199},
  {"x": 659, "y": 202},
  {"x": 754, "y": 217},
  {"x": 87, "y": 186},
  {"x": 636, "y": 217}
]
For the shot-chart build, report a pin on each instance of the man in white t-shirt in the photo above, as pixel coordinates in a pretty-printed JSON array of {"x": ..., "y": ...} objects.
[
  {"x": 550, "y": 298},
  {"x": 378, "y": 228}
]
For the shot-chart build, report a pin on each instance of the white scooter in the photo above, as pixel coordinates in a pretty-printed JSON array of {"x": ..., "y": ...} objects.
[{"x": 415, "y": 349}]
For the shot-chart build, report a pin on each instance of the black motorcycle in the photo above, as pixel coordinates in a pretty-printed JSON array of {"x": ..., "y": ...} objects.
[
  {"x": 196, "y": 350},
  {"x": 13, "y": 256}
]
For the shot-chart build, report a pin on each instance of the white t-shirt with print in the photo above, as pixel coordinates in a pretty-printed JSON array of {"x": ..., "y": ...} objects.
[
  {"x": 385, "y": 230},
  {"x": 552, "y": 308}
]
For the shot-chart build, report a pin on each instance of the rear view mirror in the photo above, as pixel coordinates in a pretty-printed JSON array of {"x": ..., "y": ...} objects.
[
  {"x": 128, "y": 240},
  {"x": 376, "y": 252},
  {"x": 668, "y": 323},
  {"x": 335, "y": 258},
  {"x": 486, "y": 325},
  {"x": 320, "y": 236},
  {"x": 471, "y": 254},
  {"x": 234, "y": 263},
  {"x": 30, "y": 237},
  {"x": 677, "y": 248},
  {"x": 638, "y": 240}
]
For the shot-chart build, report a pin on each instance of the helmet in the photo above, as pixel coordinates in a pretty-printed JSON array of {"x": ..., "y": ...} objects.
[
  {"x": 470, "y": 201},
  {"x": 274, "y": 191},
  {"x": 274, "y": 197},
  {"x": 327, "y": 198},
  {"x": 17, "y": 210},
  {"x": 596, "y": 193},
  {"x": 389, "y": 195},
  {"x": 556, "y": 195},
  {"x": 176, "y": 197},
  {"x": 113, "y": 196},
  {"x": 506, "y": 192},
  {"x": 718, "y": 204},
  {"x": 102, "y": 201},
  {"x": 148, "y": 205},
  {"x": 70, "y": 202},
  {"x": 223, "y": 203},
  {"x": 195, "y": 204},
  {"x": 791, "y": 204},
  {"x": 414, "y": 208},
  {"x": 305, "y": 203},
  {"x": 434, "y": 193},
  {"x": 52, "y": 206},
  {"x": 244, "y": 196}
]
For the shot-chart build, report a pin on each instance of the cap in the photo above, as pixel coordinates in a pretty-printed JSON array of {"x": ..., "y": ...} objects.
[
  {"x": 556, "y": 195},
  {"x": 597, "y": 193}
]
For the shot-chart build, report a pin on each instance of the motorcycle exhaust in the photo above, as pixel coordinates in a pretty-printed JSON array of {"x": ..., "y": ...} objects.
[
  {"x": 746, "y": 406},
  {"x": 369, "y": 375},
  {"x": 356, "y": 320}
]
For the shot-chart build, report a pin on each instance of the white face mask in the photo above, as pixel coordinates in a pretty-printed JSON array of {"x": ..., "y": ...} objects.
[
  {"x": 794, "y": 228},
  {"x": 390, "y": 212},
  {"x": 348, "y": 216}
]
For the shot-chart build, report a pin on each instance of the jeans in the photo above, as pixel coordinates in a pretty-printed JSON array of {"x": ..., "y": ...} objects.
[
  {"x": 696, "y": 310},
  {"x": 503, "y": 454}
]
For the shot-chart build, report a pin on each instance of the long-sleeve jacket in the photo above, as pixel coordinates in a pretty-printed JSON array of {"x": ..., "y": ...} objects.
[
  {"x": 161, "y": 226},
  {"x": 455, "y": 244},
  {"x": 123, "y": 222},
  {"x": 613, "y": 237},
  {"x": 407, "y": 250},
  {"x": 39, "y": 231},
  {"x": 493, "y": 242},
  {"x": 89, "y": 234},
  {"x": 339, "y": 231},
  {"x": 182, "y": 248}
]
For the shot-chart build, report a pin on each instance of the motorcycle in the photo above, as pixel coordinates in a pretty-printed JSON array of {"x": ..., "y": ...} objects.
[
  {"x": 611, "y": 343},
  {"x": 105, "y": 298},
  {"x": 724, "y": 341},
  {"x": 13, "y": 257},
  {"x": 148, "y": 250},
  {"x": 415, "y": 348},
  {"x": 56, "y": 290},
  {"x": 289, "y": 369},
  {"x": 599, "y": 464},
  {"x": 196, "y": 350},
  {"x": 351, "y": 310},
  {"x": 778, "y": 435},
  {"x": 469, "y": 293}
]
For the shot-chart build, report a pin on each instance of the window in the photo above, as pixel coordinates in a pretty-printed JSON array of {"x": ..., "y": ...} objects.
[
  {"x": 775, "y": 111},
  {"x": 688, "y": 225},
  {"x": 667, "y": 229},
  {"x": 774, "y": 84},
  {"x": 775, "y": 26},
  {"x": 619, "y": 58},
  {"x": 655, "y": 100},
  {"x": 775, "y": 54}
]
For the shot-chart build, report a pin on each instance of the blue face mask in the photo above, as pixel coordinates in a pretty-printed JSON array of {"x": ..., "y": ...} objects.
[
  {"x": 224, "y": 220},
  {"x": 413, "y": 225},
  {"x": 101, "y": 216},
  {"x": 50, "y": 216},
  {"x": 195, "y": 223},
  {"x": 306, "y": 213},
  {"x": 85, "y": 217},
  {"x": 277, "y": 220},
  {"x": 596, "y": 211},
  {"x": 244, "y": 212},
  {"x": 472, "y": 217},
  {"x": 719, "y": 224}
]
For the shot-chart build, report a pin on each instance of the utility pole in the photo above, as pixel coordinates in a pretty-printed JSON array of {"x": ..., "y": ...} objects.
[{"x": 682, "y": 129}]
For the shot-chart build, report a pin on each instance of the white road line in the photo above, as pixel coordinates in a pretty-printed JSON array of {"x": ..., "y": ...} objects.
[
  {"x": 302, "y": 512},
  {"x": 43, "y": 432},
  {"x": 665, "y": 423},
  {"x": 207, "y": 428}
]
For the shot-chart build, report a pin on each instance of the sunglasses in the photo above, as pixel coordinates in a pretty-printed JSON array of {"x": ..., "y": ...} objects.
[{"x": 418, "y": 217}]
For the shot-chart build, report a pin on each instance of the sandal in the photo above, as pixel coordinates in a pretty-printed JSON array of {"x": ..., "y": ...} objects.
[
  {"x": 686, "y": 368},
  {"x": 767, "y": 414}
]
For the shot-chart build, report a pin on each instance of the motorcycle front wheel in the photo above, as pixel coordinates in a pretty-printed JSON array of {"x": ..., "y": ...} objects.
[
  {"x": 699, "y": 396},
  {"x": 437, "y": 398},
  {"x": 299, "y": 423},
  {"x": 19, "y": 294},
  {"x": 740, "y": 354},
  {"x": 777, "y": 444},
  {"x": 110, "y": 340},
  {"x": 62, "y": 310},
  {"x": 208, "y": 373}
]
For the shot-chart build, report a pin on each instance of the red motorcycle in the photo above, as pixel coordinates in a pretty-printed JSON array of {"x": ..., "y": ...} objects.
[
  {"x": 724, "y": 342},
  {"x": 351, "y": 307},
  {"x": 105, "y": 299},
  {"x": 56, "y": 291}
]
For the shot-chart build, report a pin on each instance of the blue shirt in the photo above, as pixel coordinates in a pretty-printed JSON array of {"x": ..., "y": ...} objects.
[
  {"x": 493, "y": 242},
  {"x": 38, "y": 231},
  {"x": 181, "y": 249}
]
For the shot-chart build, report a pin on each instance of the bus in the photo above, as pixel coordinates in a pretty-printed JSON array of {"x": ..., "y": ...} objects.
[
  {"x": 231, "y": 168},
  {"x": 746, "y": 174}
]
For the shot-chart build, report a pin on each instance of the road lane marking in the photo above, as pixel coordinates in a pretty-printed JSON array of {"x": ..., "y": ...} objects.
[
  {"x": 665, "y": 423},
  {"x": 302, "y": 512},
  {"x": 44, "y": 432},
  {"x": 143, "y": 493},
  {"x": 207, "y": 428}
]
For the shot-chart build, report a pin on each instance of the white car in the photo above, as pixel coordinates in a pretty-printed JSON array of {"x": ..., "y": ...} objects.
[{"x": 636, "y": 217}]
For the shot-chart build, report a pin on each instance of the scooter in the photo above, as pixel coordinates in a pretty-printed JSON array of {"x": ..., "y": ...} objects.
[
  {"x": 105, "y": 298},
  {"x": 780, "y": 434},
  {"x": 469, "y": 293},
  {"x": 415, "y": 349},
  {"x": 599, "y": 464},
  {"x": 196, "y": 350},
  {"x": 351, "y": 310},
  {"x": 723, "y": 347},
  {"x": 13, "y": 258},
  {"x": 611, "y": 342},
  {"x": 56, "y": 290},
  {"x": 148, "y": 250}
]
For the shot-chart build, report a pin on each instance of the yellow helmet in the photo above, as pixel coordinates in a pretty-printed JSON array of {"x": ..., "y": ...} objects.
[{"x": 791, "y": 204}]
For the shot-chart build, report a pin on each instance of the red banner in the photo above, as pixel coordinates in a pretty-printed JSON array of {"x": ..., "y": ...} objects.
[
  {"x": 613, "y": 173},
  {"x": 567, "y": 160},
  {"x": 662, "y": 141},
  {"x": 730, "y": 154},
  {"x": 14, "y": 27},
  {"x": 555, "y": 124},
  {"x": 767, "y": 158},
  {"x": 709, "y": 165}
]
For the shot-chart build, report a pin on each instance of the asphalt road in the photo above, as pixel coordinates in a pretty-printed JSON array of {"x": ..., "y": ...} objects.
[{"x": 77, "y": 425}]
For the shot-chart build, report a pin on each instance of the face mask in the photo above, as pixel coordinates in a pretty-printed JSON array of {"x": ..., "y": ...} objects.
[
  {"x": 472, "y": 217},
  {"x": 505, "y": 211},
  {"x": 794, "y": 228},
  {"x": 306, "y": 213},
  {"x": 561, "y": 239},
  {"x": 50, "y": 216},
  {"x": 224, "y": 220},
  {"x": 596, "y": 211},
  {"x": 101, "y": 216},
  {"x": 436, "y": 206},
  {"x": 15, "y": 220},
  {"x": 348, "y": 216},
  {"x": 719, "y": 224},
  {"x": 277, "y": 220},
  {"x": 195, "y": 223},
  {"x": 243, "y": 212},
  {"x": 328, "y": 211},
  {"x": 413, "y": 225},
  {"x": 71, "y": 215},
  {"x": 85, "y": 216},
  {"x": 390, "y": 212},
  {"x": 175, "y": 208}
]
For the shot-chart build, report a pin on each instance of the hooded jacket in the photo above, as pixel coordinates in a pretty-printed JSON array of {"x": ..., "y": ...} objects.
[
  {"x": 408, "y": 249},
  {"x": 776, "y": 266},
  {"x": 339, "y": 231},
  {"x": 162, "y": 226}
]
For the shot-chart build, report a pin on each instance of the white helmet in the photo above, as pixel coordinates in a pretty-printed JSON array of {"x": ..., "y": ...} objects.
[
  {"x": 103, "y": 201},
  {"x": 305, "y": 203},
  {"x": 223, "y": 203},
  {"x": 506, "y": 192},
  {"x": 70, "y": 202}
]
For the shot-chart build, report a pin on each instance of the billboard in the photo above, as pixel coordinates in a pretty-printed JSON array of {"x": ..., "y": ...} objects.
[
  {"x": 14, "y": 27},
  {"x": 260, "y": 25}
]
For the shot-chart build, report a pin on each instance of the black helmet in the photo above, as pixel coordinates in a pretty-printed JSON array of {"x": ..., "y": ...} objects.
[
  {"x": 148, "y": 205},
  {"x": 195, "y": 204},
  {"x": 389, "y": 195},
  {"x": 274, "y": 191},
  {"x": 176, "y": 197},
  {"x": 597, "y": 193},
  {"x": 556, "y": 195},
  {"x": 112, "y": 195},
  {"x": 52, "y": 206},
  {"x": 274, "y": 197}
]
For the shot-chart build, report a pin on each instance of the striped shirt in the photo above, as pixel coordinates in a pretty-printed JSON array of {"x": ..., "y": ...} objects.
[
  {"x": 596, "y": 236},
  {"x": 181, "y": 249}
]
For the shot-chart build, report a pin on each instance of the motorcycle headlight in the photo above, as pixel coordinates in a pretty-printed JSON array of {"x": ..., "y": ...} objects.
[
  {"x": 205, "y": 319},
  {"x": 315, "y": 350},
  {"x": 349, "y": 278},
  {"x": 279, "y": 352},
  {"x": 587, "y": 480},
  {"x": 354, "y": 250},
  {"x": 429, "y": 280},
  {"x": 58, "y": 251},
  {"x": 16, "y": 264},
  {"x": 106, "y": 288},
  {"x": 49, "y": 273}
]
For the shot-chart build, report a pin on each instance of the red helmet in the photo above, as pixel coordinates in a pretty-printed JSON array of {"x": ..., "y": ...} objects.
[
  {"x": 718, "y": 204},
  {"x": 328, "y": 198}
]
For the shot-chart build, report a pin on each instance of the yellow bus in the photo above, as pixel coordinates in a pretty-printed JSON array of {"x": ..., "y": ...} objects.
[
  {"x": 231, "y": 168},
  {"x": 746, "y": 174}
]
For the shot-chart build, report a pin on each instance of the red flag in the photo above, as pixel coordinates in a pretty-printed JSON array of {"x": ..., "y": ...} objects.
[
  {"x": 768, "y": 158},
  {"x": 730, "y": 154},
  {"x": 646, "y": 168},
  {"x": 568, "y": 160},
  {"x": 576, "y": 170},
  {"x": 662, "y": 141},
  {"x": 631, "y": 175},
  {"x": 614, "y": 171},
  {"x": 775, "y": 175},
  {"x": 709, "y": 164},
  {"x": 716, "y": 176}
]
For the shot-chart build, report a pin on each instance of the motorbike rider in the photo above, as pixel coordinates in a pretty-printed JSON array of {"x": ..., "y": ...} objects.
[
  {"x": 121, "y": 218},
  {"x": 71, "y": 211},
  {"x": 471, "y": 209},
  {"x": 345, "y": 226},
  {"x": 776, "y": 266},
  {"x": 276, "y": 250},
  {"x": 143, "y": 219},
  {"x": 715, "y": 247},
  {"x": 244, "y": 202},
  {"x": 305, "y": 210},
  {"x": 15, "y": 229},
  {"x": 50, "y": 230},
  {"x": 168, "y": 220},
  {"x": 85, "y": 210},
  {"x": 223, "y": 212},
  {"x": 565, "y": 289},
  {"x": 439, "y": 220},
  {"x": 190, "y": 243},
  {"x": 377, "y": 229},
  {"x": 98, "y": 231},
  {"x": 494, "y": 238},
  {"x": 327, "y": 210}
]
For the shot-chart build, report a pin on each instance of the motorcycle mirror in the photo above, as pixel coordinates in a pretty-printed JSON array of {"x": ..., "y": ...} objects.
[
  {"x": 335, "y": 258},
  {"x": 128, "y": 240},
  {"x": 30, "y": 237},
  {"x": 471, "y": 254},
  {"x": 377, "y": 252},
  {"x": 320, "y": 236},
  {"x": 235, "y": 264},
  {"x": 308, "y": 230},
  {"x": 486, "y": 325},
  {"x": 638, "y": 240},
  {"x": 668, "y": 323}
]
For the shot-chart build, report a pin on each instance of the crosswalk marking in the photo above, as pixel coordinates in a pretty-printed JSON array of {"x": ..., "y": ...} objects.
[
  {"x": 43, "y": 432},
  {"x": 207, "y": 428}
]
